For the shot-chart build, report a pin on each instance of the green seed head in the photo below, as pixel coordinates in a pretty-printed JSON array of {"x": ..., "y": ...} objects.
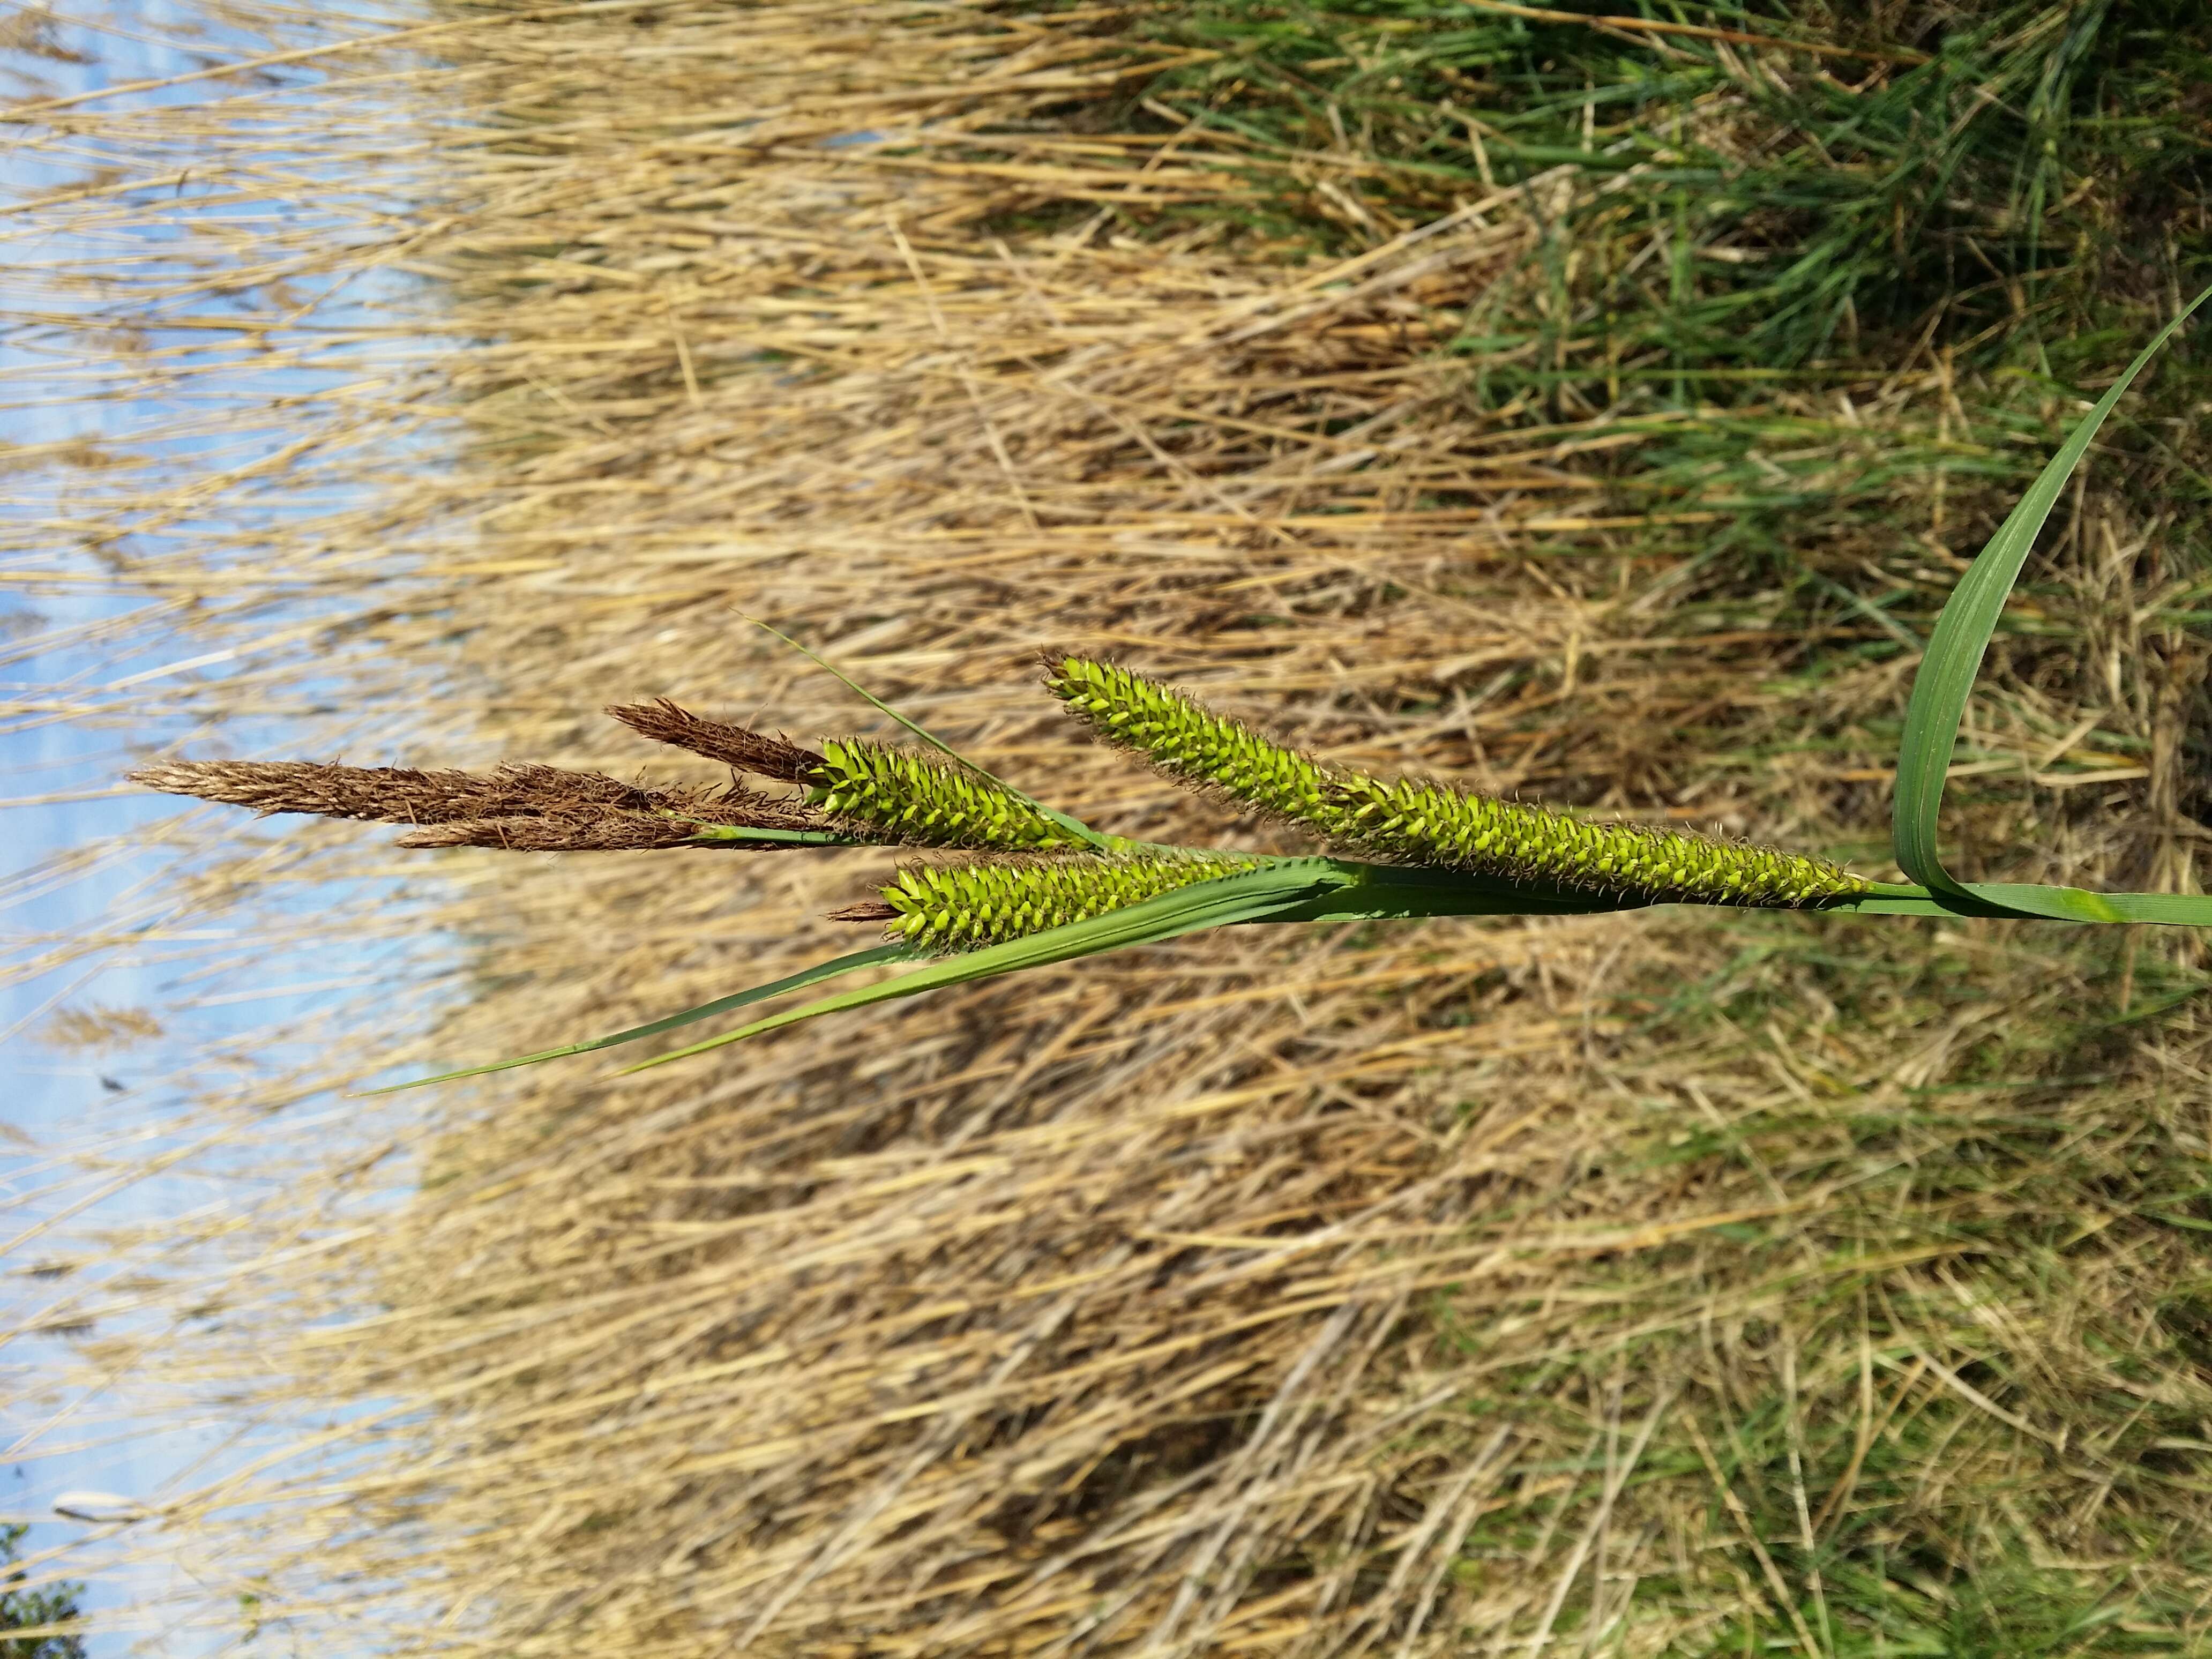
[
  {"x": 1430, "y": 825},
  {"x": 1405, "y": 821},
  {"x": 965, "y": 907},
  {"x": 1193, "y": 745},
  {"x": 914, "y": 801}
]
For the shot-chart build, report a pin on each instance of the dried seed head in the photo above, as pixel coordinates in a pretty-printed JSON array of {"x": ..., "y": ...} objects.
[
  {"x": 526, "y": 807},
  {"x": 737, "y": 746},
  {"x": 896, "y": 795},
  {"x": 965, "y": 907},
  {"x": 1406, "y": 822},
  {"x": 387, "y": 794}
]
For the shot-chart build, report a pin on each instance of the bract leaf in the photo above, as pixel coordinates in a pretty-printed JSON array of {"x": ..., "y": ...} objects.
[
  {"x": 798, "y": 982},
  {"x": 1280, "y": 884},
  {"x": 1946, "y": 679}
]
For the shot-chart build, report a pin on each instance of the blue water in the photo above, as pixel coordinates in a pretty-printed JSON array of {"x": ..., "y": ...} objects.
[{"x": 62, "y": 780}]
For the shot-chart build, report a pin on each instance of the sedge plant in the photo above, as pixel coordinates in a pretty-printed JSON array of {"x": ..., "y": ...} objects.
[{"x": 1039, "y": 886}]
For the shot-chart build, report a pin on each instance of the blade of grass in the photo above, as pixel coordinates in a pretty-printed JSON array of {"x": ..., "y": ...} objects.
[
  {"x": 798, "y": 982},
  {"x": 1255, "y": 896},
  {"x": 1385, "y": 892},
  {"x": 1390, "y": 892},
  {"x": 1315, "y": 889},
  {"x": 750, "y": 835},
  {"x": 1940, "y": 690}
]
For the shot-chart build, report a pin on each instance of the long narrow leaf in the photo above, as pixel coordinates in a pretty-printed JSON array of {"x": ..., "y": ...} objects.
[
  {"x": 1946, "y": 679},
  {"x": 748, "y": 836},
  {"x": 798, "y": 982},
  {"x": 2079, "y": 904},
  {"x": 1255, "y": 896},
  {"x": 1390, "y": 892},
  {"x": 1385, "y": 892}
]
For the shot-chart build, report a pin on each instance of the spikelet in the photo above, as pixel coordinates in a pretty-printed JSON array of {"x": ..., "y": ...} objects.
[
  {"x": 1430, "y": 825},
  {"x": 523, "y": 807},
  {"x": 966, "y": 906},
  {"x": 903, "y": 798},
  {"x": 1406, "y": 822},
  {"x": 737, "y": 747},
  {"x": 914, "y": 801},
  {"x": 1194, "y": 745}
]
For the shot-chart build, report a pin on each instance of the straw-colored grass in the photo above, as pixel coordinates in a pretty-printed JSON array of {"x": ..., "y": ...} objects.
[{"x": 1626, "y": 1283}]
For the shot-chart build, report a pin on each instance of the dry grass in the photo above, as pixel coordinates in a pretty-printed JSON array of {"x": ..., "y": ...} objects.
[{"x": 1591, "y": 1285}]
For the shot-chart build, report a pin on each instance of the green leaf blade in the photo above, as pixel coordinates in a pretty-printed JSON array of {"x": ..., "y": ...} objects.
[
  {"x": 1955, "y": 651},
  {"x": 2078, "y": 904},
  {"x": 798, "y": 982},
  {"x": 1254, "y": 895}
]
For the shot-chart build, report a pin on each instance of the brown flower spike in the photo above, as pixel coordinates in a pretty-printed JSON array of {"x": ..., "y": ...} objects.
[{"x": 524, "y": 808}]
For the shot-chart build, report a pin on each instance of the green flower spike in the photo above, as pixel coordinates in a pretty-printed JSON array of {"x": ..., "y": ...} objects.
[
  {"x": 1195, "y": 746},
  {"x": 921, "y": 802},
  {"x": 894, "y": 797},
  {"x": 965, "y": 907},
  {"x": 1409, "y": 823},
  {"x": 1426, "y": 823}
]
